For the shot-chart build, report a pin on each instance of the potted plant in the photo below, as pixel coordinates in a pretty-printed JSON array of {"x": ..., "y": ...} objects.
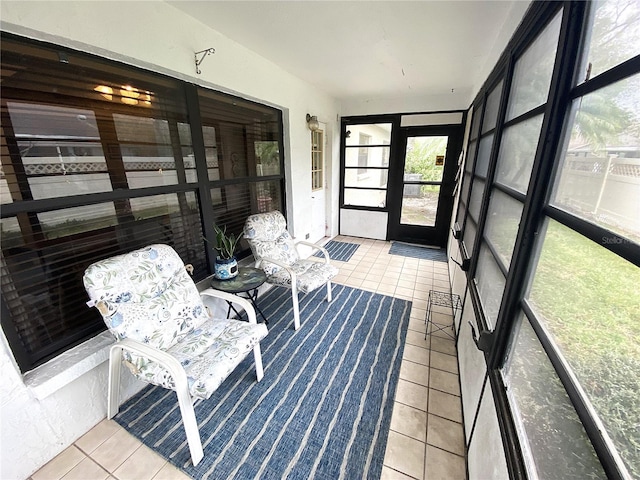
[{"x": 226, "y": 265}]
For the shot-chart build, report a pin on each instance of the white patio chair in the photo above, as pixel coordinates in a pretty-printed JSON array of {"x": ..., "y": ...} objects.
[
  {"x": 275, "y": 252},
  {"x": 164, "y": 332}
]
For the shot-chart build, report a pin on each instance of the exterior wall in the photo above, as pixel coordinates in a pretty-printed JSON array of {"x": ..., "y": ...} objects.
[{"x": 42, "y": 416}]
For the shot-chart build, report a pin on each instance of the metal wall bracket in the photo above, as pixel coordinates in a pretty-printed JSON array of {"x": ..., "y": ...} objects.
[{"x": 199, "y": 61}]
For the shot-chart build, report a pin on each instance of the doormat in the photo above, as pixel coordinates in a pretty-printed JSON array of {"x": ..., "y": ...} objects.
[
  {"x": 414, "y": 251},
  {"x": 339, "y": 251}
]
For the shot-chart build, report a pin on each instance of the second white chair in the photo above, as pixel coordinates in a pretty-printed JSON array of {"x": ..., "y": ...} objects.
[{"x": 275, "y": 252}]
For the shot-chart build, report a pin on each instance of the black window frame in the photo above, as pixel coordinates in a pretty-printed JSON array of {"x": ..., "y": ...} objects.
[{"x": 199, "y": 251}]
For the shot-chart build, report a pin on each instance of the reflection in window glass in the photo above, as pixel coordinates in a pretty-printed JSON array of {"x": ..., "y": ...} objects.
[
  {"x": 365, "y": 198},
  {"x": 475, "y": 123},
  {"x": 365, "y": 177},
  {"x": 614, "y": 36},
  {"x": 466, "y": 183},
  {"x": 491, "y": 113},
  {"x": 468, "y": 163},
  {"x": 600, "y": 169},
  {"x": 366, "y": 157},
  {"x": 503, "y": 220},
  {"x": 533, "y": 70},
  {"x": 475, "y": 202},
  {"x": 484, "y": 152},
  {"x": 469, "y": 237},
  {"x": 378, "y": 134},
  {"x": 491, "y": 284},
  {"x": 588, "y": 299},
  {"x": 420, "y": 205},
  {"x": 517, "y": 153},
  {"x": 555, "y": 442}
]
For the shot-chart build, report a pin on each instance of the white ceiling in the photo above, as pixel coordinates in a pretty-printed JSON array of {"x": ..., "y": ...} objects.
[{"x": 373, "y": 49}]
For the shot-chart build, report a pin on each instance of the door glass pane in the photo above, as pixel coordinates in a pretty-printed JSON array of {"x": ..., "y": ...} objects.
[
  {"x": 517, "y": 153},
  {"x": 475, "y": 123},
  {"x": 377, "y": 134},
  {"x": 424, "y": 159},
  {"x": 365, "y": 177},
  {"x": 419, "y": 205},
  {"x": 365, "y": 198},
  {"x": 613, "y": 38},
  {"x": 533, "y": 70},
  {"x": 588, "y": 299},
  {"x": 554, "y": 440},
  {"x": 503, "y": 220},
  {"x": 491, "y": 283},
  {"x": 599, "y": 178},
  {"x": 484, "y": 152},
  {"x": 366, "y": 157}
]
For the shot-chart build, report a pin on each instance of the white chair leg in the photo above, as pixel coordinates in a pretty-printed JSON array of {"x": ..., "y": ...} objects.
[
  {"x": 329, "y": 291},
  {"x": 258, "y": 359},
  {"x": 296, "y": 307},
  {"x": 190, "y": 426},
  {"x": 113, "y": 394}
]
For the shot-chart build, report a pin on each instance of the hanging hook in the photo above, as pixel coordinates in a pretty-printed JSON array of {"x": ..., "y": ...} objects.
[{"x": 204, "y": 54}]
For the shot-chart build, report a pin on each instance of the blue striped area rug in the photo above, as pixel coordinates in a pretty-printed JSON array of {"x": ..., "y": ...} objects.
[
  {"x": 340, "y": 251},
  {"x": 322, "y": 410},
  {"x": 414, "y": 251}
]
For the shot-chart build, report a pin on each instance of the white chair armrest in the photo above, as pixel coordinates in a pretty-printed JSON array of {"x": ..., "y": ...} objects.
[
  {"x": 315, "y": 247},
  {"x": 165, "y": 359},
  {"x": 229, "y": 297}
]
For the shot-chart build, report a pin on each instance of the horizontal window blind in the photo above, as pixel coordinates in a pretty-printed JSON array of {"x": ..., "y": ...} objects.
[{"x": 98, "y": 159}]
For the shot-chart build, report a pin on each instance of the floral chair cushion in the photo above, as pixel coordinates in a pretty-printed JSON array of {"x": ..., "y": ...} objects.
[
  {"x": 147, "y": 295},
  {"x": 208, "y": 355},
  {"x": 309, "y": 275},
  {"x": 268, "y": 237}
]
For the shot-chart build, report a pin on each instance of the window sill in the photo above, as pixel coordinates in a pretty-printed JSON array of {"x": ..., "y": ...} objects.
[{"x": 46, "y": 379}]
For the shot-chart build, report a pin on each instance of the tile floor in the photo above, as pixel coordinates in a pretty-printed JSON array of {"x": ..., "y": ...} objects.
[{"x": 426, "y": 440}]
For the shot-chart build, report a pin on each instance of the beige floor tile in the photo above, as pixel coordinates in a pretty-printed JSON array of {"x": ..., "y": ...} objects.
[
  {"x": 391, "y": 474},
  {"x": 340, "y": 278},
  {"x": 370, "y": 285},
  {"x": 414, "y": 372},
  {"x": 169, "y": 472},
  {"x": 405, "y": 455},
  {"x": 418, "y": 313},
  {"x": 412, "y": 394},
  {"x": 386, "y": 289},
  {"x": 443, "y": 361},
  {"x": 353, "y": 282},
  {"x": 60, "y": 465},
  {"x": 358, "y": 274},
  {"x": 409, "y": 421},
  {"x": 442, "y": 465},
  {"x": 97, "y": 435},
  {"x": 416, "y": 354},
  {"x": 445, "y": 434},
  {"x": 417, "y": 338},
  {"x": 144, "y": 464},
  {"x": 113, "y": 452},
  {"x": 443, "y": 345},
  {"x": 408, "y": 292},
  {"x": 443, "y": 381},
  {"x": 417, "y": 325},
  {"x": 406, "y": 284},
  {"x": 445, "y": 405},
  {"x": 87, "y": 469}
]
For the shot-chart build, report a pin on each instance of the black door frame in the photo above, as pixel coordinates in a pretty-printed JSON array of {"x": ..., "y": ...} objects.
[{"x": 436, "y": 235}]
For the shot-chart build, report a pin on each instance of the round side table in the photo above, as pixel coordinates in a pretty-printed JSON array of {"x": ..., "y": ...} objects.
[{"x": 247, "y": 281}]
